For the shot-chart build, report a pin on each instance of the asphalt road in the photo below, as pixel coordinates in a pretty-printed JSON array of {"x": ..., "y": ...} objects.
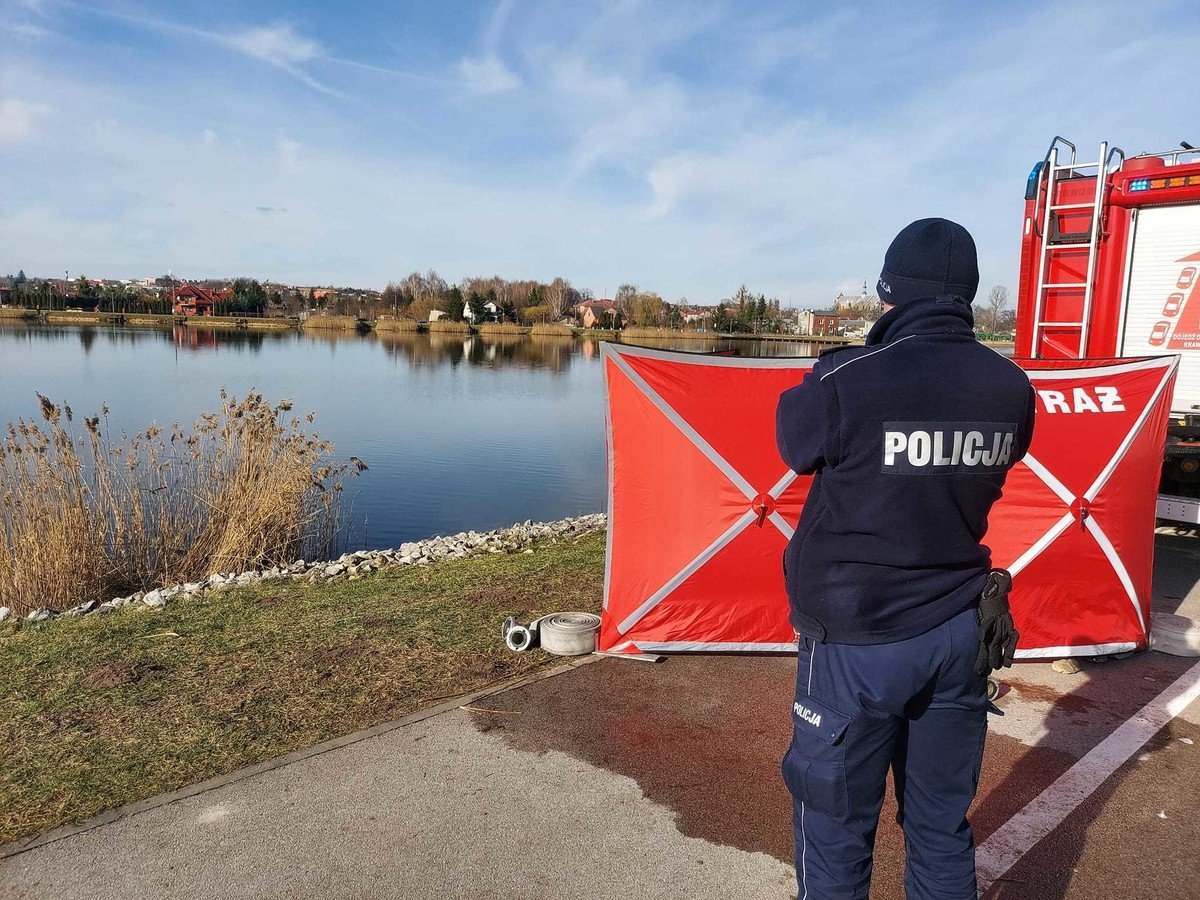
[{"x": 622, "y": 779}]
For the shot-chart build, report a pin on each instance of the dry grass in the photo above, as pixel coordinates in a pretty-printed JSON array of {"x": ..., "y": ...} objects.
[
  {"x": 100, "y": 711},
  {"x": 391, "y": 323},
  {"x": 263, "y": 322},
  {"x": 547, "y": 328},
  {"x": 331, "y": 323},
  {"x": 489, "y": 328},
  {"x": 690, "y": 333},
  {"x": 451, "y": 327},
  {"x": 86, "y": 515}
]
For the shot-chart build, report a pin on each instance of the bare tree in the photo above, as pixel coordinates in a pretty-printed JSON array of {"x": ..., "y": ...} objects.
[
  {"x": 997, "y": 300},
  {"x": 623, "y": 300},
  {"x": 430, "y": 287},
  {"x": 556, "y": 297}
]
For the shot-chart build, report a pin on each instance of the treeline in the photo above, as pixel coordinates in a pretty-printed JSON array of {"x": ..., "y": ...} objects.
[
  {"x": 58, "y": 294},
  {"x": 745, "y": 313},
  {"x": 527, "y": 301},
  {"x": 492, "y": 298},
  {"x": 249, "y": 298},
  {"x": 485, "y": 298}
]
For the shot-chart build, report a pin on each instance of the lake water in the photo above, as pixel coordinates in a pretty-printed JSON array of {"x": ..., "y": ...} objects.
[{"x": 459, "y": 433}]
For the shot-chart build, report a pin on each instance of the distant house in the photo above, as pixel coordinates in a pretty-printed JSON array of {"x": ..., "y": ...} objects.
[
  {"x": 818, "y": 322},
  {"x": 491, "y": 312},
  {"x": 193, "y": 300},
  {"x": 596, "y": 314},
  {"x": 435, "y": 314},
  {"x": 854, "y": 327}
]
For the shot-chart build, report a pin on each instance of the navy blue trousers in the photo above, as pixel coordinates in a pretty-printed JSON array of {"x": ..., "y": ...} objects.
[{"x": 914, "y": 706}]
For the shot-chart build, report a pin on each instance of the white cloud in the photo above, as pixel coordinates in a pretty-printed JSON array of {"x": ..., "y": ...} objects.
[
  {"x": 20, "y": 120},
  {"x": 488, "y": 75},
  {"x": 279, "y": 45},
  {"x": 31, "y": 32},
  {"x": 614, "y": 118}
]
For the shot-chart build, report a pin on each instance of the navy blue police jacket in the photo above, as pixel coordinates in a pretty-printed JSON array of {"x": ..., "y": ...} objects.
[{"x": 910, "y": 439}]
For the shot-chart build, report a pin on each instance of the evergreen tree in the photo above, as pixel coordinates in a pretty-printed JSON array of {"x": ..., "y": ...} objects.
[
  {"x": 249, "y": 297},
  {"x": 720, "y": 318},
  {"x": 452, "y": 304}
]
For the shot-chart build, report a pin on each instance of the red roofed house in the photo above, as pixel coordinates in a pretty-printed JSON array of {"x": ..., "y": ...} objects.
[
  {"x": 822, "y": 322},
  {"x": 193, "y": 300},
  {"x": 596, "y": 313}
]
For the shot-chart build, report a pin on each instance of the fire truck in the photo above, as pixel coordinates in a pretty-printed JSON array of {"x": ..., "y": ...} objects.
[{"x": 1110, "y": 267}]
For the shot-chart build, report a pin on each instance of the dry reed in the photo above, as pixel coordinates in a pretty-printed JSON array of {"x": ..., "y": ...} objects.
[
  {"x": 84, "y": 516},
  {"x": 454, "y": 327},
  {"x": 391, "y": 323},
  {"x": 487, "y": 328},
  {"x": 551, "y": 329},
  {"x": 333, "y": 323},
  {"x": 677, "y": 333}
]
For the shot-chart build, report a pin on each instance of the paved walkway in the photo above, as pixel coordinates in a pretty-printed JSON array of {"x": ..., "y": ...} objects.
[{"x": 621, "y": 779}]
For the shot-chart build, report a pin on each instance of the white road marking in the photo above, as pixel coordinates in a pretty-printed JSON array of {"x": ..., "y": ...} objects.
[{"x": 1016, "y": 837}]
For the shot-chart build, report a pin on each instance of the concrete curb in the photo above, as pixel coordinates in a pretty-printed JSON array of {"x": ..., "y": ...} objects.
[{"x": 22, "y": 845}]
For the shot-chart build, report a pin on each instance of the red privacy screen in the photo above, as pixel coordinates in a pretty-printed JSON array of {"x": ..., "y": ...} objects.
[{"x": 701, "y": 506}]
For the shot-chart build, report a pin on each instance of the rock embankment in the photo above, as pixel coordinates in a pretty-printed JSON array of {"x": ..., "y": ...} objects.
[{"x": 515, "y": 539}]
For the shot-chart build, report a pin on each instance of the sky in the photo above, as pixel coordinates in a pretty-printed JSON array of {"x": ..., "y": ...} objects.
[{"x": 687, "y": 148}]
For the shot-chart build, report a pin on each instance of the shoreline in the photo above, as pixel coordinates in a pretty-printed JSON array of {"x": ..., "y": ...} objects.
[
  {"x": 517, "y": 538},
  {"x": 314, "y": 325}
]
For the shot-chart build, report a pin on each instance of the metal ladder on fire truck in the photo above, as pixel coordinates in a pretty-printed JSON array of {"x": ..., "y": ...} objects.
[{"x": 1054, "y": 240}]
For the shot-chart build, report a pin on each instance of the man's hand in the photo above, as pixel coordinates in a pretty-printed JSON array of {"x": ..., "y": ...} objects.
[{"x": 997, "y": 636}]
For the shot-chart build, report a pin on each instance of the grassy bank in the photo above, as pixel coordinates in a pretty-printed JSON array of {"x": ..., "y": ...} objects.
[
  {"x": 330, "y": 323},
  {"x": 100, "y": 711},
  {"x": 447, "y": 327},
  {"x": 269, "y": 323},
  {"x": 549, "y": 329},
  {"x": 391, "y": 323},
  {"x": 491, "y": 329}
]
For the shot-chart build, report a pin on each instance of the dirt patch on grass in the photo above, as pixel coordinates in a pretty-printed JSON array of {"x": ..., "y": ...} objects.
[
  {"x": 116, "y": 674},
  {"x": 328, "y": 661}
]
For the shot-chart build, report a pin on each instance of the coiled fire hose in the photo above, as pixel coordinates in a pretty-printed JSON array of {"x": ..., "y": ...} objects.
[{"x": 563, "y": 634}]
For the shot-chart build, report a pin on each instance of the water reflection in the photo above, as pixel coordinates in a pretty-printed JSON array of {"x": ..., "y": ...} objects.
[
  {"x": 460, "y": 431},
  {"x": 428, "y": 350}
]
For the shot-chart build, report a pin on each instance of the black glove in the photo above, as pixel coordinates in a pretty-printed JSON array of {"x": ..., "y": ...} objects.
[{"x": 997, "y": 636}]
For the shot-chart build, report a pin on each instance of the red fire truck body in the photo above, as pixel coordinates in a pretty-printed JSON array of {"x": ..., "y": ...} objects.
[{"x": 1110, "y": 266}]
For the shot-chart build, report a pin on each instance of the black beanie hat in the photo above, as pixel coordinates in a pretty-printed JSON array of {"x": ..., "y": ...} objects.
[{"x": 928, "y": 258}]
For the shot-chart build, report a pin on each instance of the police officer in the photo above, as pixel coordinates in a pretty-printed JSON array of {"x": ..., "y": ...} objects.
[{"x": 898, "y": 613}]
